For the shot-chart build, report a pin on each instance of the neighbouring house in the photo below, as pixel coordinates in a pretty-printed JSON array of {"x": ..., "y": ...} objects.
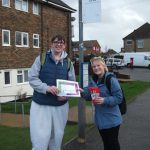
[
  {"x": 138, "y": 40},
  {"x": 26, "y": 28},
  {"x": 109, "y": 53},
  {"x": 91, "y": 47}
]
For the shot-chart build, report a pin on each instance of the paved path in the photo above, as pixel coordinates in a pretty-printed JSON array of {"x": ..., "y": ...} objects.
[{"x": 134, "y": 133}]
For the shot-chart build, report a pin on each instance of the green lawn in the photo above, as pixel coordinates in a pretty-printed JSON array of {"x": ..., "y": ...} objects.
[{"x": 19, "y": 139}]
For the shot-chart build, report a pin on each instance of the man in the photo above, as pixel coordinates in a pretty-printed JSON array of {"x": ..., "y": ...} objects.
[{"x": 49, "y": 113}]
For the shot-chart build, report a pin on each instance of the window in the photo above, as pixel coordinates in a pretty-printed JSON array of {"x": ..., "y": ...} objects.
[
  {"x": 7, "y": 80},
  {"x": 35, "y": 8},
  {"x": 75, "y": 49},
  {"x": 129, "y": 42},
  {"x": 22, "y": 76},
  {"x": 140, "y": 43},
  {"x": 146, "y": 57},
  {"x": 36, "y": 40},
  {"x": 5, "y": 37},
  {"x": 22, "y": 39},
  {"x": 6, "y": 3},
  {"x": 21, "y": 5}
]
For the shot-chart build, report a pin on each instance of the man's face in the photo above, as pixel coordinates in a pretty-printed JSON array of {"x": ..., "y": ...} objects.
[{"x": 58, "y": 45}]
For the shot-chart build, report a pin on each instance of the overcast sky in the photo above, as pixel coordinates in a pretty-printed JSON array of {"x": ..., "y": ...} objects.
[{"x": 118, "y": 19}]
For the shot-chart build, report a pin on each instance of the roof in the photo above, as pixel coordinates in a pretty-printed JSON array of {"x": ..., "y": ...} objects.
[
  {"x": 141, "y": 32},
  {"x": 60, "y": 4}
]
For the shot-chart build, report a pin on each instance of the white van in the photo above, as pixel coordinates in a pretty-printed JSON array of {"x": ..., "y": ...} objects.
[
  {"x": 140, "y": 59},
  {"x": 115, "y": 62}
]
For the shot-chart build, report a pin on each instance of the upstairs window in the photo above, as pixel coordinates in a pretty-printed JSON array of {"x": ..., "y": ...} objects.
[
  {"x": 140, "y": 43},
  {"x": 129, "y": 42},
  {"x": 5, "y": 37},
  {"x": 36, "y": 40},
  {"x": 22, "y": 76},
  {"x": 22, "y": 39},
  {"x": 21, "y": 5},
  {"x": 35, "y": 8},
  {"x": 6, "y": 3}
]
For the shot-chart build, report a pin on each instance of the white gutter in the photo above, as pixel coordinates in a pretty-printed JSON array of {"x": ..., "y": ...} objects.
[{"x": 59, "y": 5}]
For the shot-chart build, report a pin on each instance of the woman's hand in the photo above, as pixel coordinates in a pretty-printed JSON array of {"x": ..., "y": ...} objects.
[
  {"x": 99, "y": 100},
  {"x": 81, "y": 90}
]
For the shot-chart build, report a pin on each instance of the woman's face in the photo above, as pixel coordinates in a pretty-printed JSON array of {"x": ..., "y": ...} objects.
[{"x": 98, "y": 68}]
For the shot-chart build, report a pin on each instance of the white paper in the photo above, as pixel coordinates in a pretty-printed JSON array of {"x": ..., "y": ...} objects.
[{"x": 68, "y": 88}]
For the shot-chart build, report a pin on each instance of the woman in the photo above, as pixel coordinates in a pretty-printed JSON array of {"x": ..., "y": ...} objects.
[{"x": 107, "y": 114}]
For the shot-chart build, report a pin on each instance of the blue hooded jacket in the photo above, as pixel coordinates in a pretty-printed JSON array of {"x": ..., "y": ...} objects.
[{"x": 108, "y": 114}]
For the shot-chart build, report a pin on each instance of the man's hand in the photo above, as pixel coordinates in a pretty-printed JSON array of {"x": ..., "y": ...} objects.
[
  {"x": 52, "y": 89},
  {"x": 62, "y": 98}
]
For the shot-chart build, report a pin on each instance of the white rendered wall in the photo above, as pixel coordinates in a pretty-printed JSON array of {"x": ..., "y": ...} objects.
[{"x": 12, "y": 91}]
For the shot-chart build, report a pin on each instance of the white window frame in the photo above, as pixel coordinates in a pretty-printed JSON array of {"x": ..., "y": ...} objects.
[
  {"x": 75, "y": 49},
  {"x": 4, "y": 43},
  {"x": 36, "y": 37},
  {"x": 140, "y": 43},
  {"x": 9, "y": 84},
  {"x": 21, "y": 73},
  {"x": 6, "y": 3},
  {"x": 22, "y": 36},
  {"x": 21, "y": 5},
  {"x": 35, "y": 8},
  {"x": 129, "y": 41}
]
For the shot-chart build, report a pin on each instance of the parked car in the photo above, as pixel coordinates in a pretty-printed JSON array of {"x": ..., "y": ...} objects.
[{"x": 115, "y": 62}]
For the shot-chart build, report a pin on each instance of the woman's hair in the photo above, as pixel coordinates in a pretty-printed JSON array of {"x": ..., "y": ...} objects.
[{"x": 101, "y": 60}]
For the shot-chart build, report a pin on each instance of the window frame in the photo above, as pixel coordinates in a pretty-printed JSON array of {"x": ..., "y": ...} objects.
[
  {"x": 129, "y": 43},
  {"x": 36, "y": 38},
  {"x": 3, "y": 42},
  {"x": 22, "y": 75},
  {"x": 22, "y": 36},
  {"x": 7, "y": 4},
  {"x": 35, "y": 8},
  {"x": 10, "y": 79},
  {"x": 21, "y": 4},
  {"x": 140, "y": 43}
]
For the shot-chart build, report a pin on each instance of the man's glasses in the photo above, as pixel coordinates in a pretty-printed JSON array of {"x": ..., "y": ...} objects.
[{"x": 58, "y": 42}]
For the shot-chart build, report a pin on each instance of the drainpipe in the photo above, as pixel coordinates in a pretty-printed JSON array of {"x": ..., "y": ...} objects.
[{"x": 42, "y": 46}]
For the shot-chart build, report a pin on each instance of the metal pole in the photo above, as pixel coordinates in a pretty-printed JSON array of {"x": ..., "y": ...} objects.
[{"x": 81, "y": 102}]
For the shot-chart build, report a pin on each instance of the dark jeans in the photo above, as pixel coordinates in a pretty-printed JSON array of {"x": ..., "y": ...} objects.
[{"x": 110, "y": 138}]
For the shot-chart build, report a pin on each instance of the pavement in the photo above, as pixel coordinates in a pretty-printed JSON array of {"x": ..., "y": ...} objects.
[{"x": 135, "y": 130}]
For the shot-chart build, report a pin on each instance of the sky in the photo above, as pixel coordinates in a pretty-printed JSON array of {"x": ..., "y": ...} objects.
[{"x": 118, "y": 19}]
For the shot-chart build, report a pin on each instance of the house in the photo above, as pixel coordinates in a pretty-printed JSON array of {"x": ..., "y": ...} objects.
[
  {"x": 138, "y": 40},
  {"x": 26, "y": 28},
  {"x": 91, "y": 47}
]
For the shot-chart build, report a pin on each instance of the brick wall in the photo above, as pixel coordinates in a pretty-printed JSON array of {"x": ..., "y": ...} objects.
[{"x": 55, "y": 21}]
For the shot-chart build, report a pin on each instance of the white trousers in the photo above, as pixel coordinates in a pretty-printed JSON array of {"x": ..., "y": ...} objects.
[{"x": 47, "y": 124}]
